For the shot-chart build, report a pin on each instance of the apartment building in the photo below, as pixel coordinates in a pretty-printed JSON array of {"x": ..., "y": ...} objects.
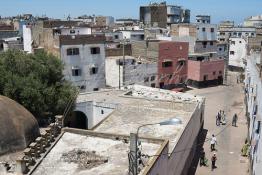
[{"x": 84, "y": 60}]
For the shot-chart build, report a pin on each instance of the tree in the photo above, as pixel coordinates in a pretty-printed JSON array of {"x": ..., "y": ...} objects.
[{"x": 35, "y": 81}]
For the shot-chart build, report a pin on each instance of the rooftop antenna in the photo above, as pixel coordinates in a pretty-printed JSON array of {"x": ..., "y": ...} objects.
[{"x": 68, "y": 17}]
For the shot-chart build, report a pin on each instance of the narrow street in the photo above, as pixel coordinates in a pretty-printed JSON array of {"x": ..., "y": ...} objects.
[{"x": 229, "y": 98}]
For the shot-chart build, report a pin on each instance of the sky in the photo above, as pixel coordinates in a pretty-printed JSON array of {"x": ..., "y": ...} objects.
[{"x": 236, "y": 10}]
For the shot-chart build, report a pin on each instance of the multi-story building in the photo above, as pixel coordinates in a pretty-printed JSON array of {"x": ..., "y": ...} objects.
[
  {"x": 226, "y": 32},
  {"x": 237, "y": 54},
  {"x": 253, "y": 91},
  {"x": 171, "y": 58},
  {"x": 204, "y": 71},
  {"x": 253, "y": 21},
  {"x": 84, "y": 60},
  {"x": 163, "y": 15},
  {"x": 120, "y": 72},
  {"x": 104, "y": 21}
]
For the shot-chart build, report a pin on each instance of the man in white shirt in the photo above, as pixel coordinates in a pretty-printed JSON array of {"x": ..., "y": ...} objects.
[{"x": 213, "y": 141}]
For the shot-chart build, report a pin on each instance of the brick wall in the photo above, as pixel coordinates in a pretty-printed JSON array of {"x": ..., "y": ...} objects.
[{"x": 175, "y": 52}]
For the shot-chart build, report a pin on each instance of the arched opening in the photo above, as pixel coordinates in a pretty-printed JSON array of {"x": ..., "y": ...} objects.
[{"x": 76, "y": 120}]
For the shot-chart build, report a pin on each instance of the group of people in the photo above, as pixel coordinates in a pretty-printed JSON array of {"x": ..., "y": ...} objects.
[
  {"x": 203, "y": 159},
  {"x": 220, "y": 119}
]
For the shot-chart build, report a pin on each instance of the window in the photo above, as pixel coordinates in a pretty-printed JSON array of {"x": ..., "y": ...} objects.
[
  {"x": 220, "y": 49},
  {"x": 220, "y": 72},
  {"x": 211, "y": 55},
  {"x": 222, "y": 33},
  {"x": 252, "y": 34},
  {"x": 203, "y": 29},
  {"x": 93, "y": 70},
  {"x": 240, "y": 42},
  {"x": 146, "y": 79},
  {"x": 255, "y": 110},
  {"x": 233, "y": 42},
  {"x": 95, "y": 89},
  {"x": 205, "y": 77},
  {"x": 212, "y": 30},
  {"x": 167, "y": 64},
  {"x": 72, "y": 51},
  {"x": 72, "y": 31},
  {"x": 83, "y": 87},
  {"x": 211, "y": 43},
  {"x": 180, "y": 63},
  {"x": 170, "y": 76},
  {"x": 153, "y": 85},
  {"x": 214, "y": 73},
  {"x": 95, "y": 50},
  {"x": 258, "y": 127},
  {"x": 116, "y": 37},
  {"x": 232, "y": 53},
  {"x": 76, "y": 71},
  {"x": 152, "y": 78},
  {"x": 142, "y": 37},
  {"x": 204, "y": 44},
  {"x": 102, "y": 111}
]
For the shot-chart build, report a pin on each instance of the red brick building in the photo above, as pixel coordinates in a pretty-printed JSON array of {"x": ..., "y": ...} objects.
[
  {"x": 172, "y": 64},
  {"x": 203, "y": 71}
]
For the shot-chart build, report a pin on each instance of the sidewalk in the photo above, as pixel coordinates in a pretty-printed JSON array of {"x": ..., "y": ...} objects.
[{"x": 230, "y": 139}]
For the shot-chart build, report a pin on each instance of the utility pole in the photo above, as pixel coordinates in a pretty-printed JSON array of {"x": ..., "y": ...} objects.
[
  {"x": 227, "y": 61},
  {"x": 124, "y": 42}
]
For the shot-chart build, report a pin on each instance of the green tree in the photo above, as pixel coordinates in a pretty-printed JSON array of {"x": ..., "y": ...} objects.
[{"x": 35, "y": 81}]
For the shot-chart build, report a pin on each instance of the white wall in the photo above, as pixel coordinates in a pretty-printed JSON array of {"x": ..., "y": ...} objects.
[
  {"x": 239, "y": 49},
  {"x": 134, "y": 73},
  {"x": 85, "y": 60},
  {"x": 78, "y": 31},
  {"x": 27, "y": 36},
  {"x": 253, "y": 86},
  {"x": 94, "y": 111},
  {"x": 207, "y": 35}
]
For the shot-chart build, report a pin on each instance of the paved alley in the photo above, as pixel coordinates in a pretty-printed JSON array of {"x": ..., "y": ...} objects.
[{"x": 230, "y": 139}]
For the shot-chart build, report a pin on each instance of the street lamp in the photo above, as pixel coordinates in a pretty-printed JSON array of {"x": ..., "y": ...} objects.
[{"x": 134, "y": 151}]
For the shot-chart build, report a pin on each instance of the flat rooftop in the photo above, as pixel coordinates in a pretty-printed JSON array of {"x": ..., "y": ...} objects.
[
  {"x": 139, "y": 105},
  {"x": 105, "y": 156}
]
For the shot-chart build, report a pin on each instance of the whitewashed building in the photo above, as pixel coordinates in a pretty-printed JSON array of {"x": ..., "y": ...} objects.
[
  {"x": 27, "y": 38},
  {"x": 134, "y": 71},
  {"x": 237, "y": 53},
  {"x": 84, "y": 60},
  {"x": 253, "y": 91}
]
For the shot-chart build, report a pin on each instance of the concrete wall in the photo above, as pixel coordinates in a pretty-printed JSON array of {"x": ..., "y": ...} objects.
[
  {"x": 134, "y": 73},
  {"x": 78, "y": 31},
  {"x": 95, "y": 112},
  {"x": 180, "y": 160},
  {"x": 197, "y": 69},
  {"x": 85, "y": 61},
  {"x": 146, "y": 49},
  {"x": 206, "y": 35},
  {"x": 27, "y": 38},
  {"x": 239, "y": 47},
  {"x": 253, "y": 88}
]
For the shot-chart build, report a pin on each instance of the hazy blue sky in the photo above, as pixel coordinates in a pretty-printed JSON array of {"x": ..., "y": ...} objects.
[{"x": 219, "y": 10}]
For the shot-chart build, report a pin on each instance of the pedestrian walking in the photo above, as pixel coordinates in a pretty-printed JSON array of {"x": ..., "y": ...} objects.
[
  {"x": 213, "y": 160},
  {"x": 213, "y": 141},
  {"x": 217, "y": 120},
  {"x": 234, "y": 120},
  {"x": 203, "y": 159}
]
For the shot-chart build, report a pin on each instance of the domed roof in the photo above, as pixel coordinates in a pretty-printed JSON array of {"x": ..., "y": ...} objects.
[{"x": 18, "y": 126}]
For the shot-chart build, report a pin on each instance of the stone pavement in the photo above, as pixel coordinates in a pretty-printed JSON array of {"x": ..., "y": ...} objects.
[{"x": 229, "y": 98}]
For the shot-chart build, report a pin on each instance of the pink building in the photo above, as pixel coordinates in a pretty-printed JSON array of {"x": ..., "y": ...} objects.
[
  {"x": 172, "y": 64},
  {"x": 203, "y": 71}
]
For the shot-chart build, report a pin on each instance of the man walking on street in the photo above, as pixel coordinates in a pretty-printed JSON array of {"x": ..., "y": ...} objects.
[
  {"x": 234, "y": 120},
  {"x": 213, "y": 142},
  {"x": 213, "y": 160}
]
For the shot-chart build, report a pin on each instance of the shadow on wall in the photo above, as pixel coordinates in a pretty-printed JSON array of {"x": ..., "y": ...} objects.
[
  {"x": 200, "y": 144},
  {"x": 76, "y": 120}
]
